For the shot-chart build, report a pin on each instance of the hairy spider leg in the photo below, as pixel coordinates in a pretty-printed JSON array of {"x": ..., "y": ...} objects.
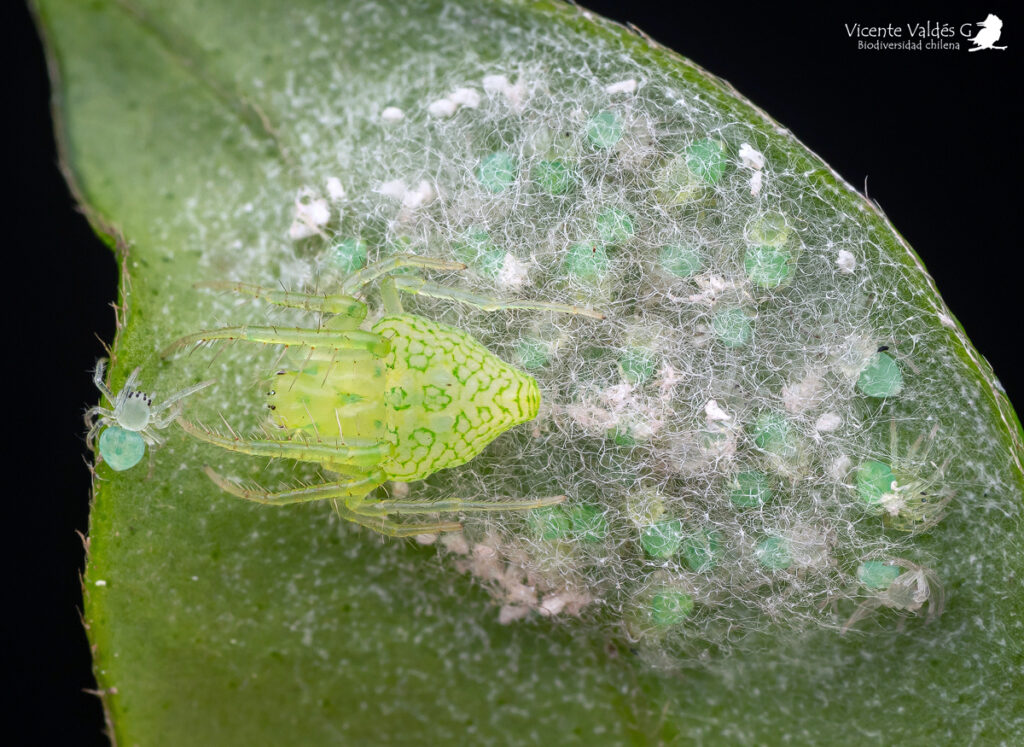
[
  {"x": 339, "y": 492},
  {"x": 391, "y": 528},
  {"x": 350, "y": 308},
  {"x": 349, "y": 312},
  {"x": 128, "y": 388},
  {"x": 364, "y": 457},
  {"x": 98, "y": 380},
  {"x": 174, "y": 402},
  {"x": 354, "y": 339},
  {"x": 95, "y": 424},
  {"x": 422, "y": 287},
  {"x": 382, "y": 508},
  {"x": 361, "y": 278},
  {"x": 305, "y": 494}
]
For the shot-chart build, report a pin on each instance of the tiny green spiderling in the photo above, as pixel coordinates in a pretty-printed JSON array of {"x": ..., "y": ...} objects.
[
  {"x": 907, "y": 490},
  {"x": 900, "y": 585},
  {"x": 132, "y": 421},
  {"x": 399, "y": 400}
]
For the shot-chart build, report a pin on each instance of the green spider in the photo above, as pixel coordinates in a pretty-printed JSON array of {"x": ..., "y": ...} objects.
[
  {"x": 908, "y": 498},
  {"x": 398, "y": 401}
]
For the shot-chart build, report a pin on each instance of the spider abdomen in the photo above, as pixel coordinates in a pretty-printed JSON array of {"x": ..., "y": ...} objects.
[{"x": 447, "y": 396}]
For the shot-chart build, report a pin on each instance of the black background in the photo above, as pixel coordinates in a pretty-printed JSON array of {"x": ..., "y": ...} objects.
[{"x": 937, "y": 136}]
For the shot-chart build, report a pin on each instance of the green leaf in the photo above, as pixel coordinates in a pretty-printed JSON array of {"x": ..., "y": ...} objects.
[{"x": 190, "y": 128}]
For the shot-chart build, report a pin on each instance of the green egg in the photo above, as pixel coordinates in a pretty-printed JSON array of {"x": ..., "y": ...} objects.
[
  {"x": 477, "y": 250},
  {"x": 588, "y": 523},
  {"x": 670, "y": 608},
  {"x": 773, "y": 433},
  {"x": 732, "y": 327},
  {"x": 614, "y": 226},
  {"x": 497, "y": 171},
  {"x": 773, "y": 553},
  {"x": 680, "y": 260},
  {"x": 554, "y": 177},
  {"x": 768, "y": 230},
  {"x": 700, "y": 551},
  {"x": 767, "y": 266},
  {"x": 349, "y": 255},
  {"x": 663, "y": 539},
  {"x": 706, "y": 159},
  {"x": 750, "y": 489},
  {"x": 637, "y": 365},
  {"x": 604, "y": 129},
  {"x": 533, "y": 353},
  {"x": 549, "y": 523},
  {"x": 587, "y": 261}
]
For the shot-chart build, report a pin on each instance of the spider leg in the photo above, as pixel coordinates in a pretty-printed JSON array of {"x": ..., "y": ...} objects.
[
  {"x": 863, "y": 610},
  {"x": 355, "y": 339},
  {"x": 150, "y": 436},
  {"x": 422, "y": 287},
  {"x": 383, "y": 525},
  {"x": 389, "y": 297},
  {"x": 129, "y": 385},
  {"x": 176, "y": 397},
  {"x": 167, "y": 418},
  {"x": 361, "y": 278},
  {"x": 381, "y": 508},
  {"x": 94, "y": 424},
  {"x": 98, "y": 380},
  {"x": 338, "y": 492},
  {"x": 365, "y": 457},
  {"x": 304, "y": 494},
  {"x": 340, "y": 304}
]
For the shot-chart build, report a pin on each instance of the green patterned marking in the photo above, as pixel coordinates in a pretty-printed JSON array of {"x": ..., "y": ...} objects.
[
  {"x": 462, "y": 424},
  {"x": 424, "y": 436},
  {"x": 455, "y": 396},
  {"x": 435, "y": 399}
]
